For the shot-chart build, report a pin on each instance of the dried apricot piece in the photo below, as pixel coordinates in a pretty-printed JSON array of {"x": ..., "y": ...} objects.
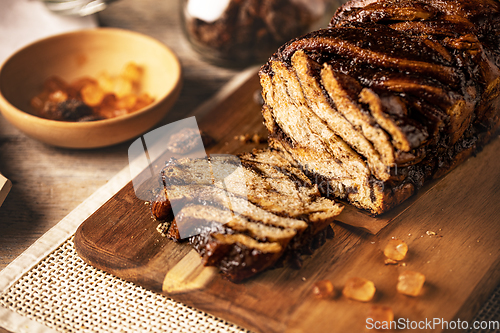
[
  {"x": 122, "y": 87},
  {"x": 396, "y": 249},
  {"x": 143, "y": 100},
  {"x": 105, "y": 82},
  {"x": 58, "y": 96},
  {"x": 410, "y": 283},
  {"x": 132, "y": 72},
  {"x": 39, "y": 100},
  {"x": 359, "y": 289},
  {"x": 92, "y": 94},
  {"x": 323, "y": 289},
  {"x": 127, "y": 102},
  {"x": 107, "y": 107}
]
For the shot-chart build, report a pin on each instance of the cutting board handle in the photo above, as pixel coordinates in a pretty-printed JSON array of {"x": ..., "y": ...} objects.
[
  {"x": 187, "y": 275},
  {"x": 5, "y": 186}
]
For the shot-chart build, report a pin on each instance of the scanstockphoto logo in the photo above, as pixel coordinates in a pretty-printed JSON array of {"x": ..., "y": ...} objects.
[
  {"x": 432, "y": 324},
  {"x": 172, "y": 161},
  {"x": 172, "y": 158}
]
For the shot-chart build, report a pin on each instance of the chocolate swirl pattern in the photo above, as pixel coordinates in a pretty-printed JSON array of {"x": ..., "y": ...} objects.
[{"x": 392, "y": 94}]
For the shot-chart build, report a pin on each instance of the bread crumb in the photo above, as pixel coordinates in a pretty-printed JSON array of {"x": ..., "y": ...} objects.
[{"x": 432, "y": 233}]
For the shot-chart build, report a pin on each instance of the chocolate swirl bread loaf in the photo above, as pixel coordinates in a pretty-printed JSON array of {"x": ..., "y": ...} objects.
[
  {"x": 243, "y": 213},
  {"x": 392, "y": 94}
]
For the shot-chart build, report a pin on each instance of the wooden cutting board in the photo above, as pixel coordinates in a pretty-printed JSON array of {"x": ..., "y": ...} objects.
[
  {"x": 5, "y": 186},
  {"x": 452, "y": 229}
]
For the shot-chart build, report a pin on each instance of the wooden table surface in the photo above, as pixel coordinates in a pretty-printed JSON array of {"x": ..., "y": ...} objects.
[{"x": 50, "y": 182}]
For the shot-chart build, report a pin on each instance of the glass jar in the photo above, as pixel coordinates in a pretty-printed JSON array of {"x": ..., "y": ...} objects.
[
  {"x": 237, "y": 33},
  {"x": 76, "y": 7}
]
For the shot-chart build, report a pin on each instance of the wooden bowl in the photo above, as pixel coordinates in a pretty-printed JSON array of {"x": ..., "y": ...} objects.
[{"x": 88, "y": 53}]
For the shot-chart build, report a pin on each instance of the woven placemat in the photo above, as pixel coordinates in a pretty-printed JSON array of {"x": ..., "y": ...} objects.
[
  {"x": 489, "y": 313},
  {"x": 67, "y": 295}
]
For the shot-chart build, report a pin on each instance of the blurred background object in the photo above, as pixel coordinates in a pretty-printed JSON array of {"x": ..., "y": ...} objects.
[
  {"x": 78, "y": 57},
  {"x": 76, "y": 7},
  {"x": 25, "y": 21},
  {"x": 238, "y": 33}
]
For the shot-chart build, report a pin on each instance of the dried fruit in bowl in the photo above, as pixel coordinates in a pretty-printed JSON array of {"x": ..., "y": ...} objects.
[{"x": 87, "y": 99}]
